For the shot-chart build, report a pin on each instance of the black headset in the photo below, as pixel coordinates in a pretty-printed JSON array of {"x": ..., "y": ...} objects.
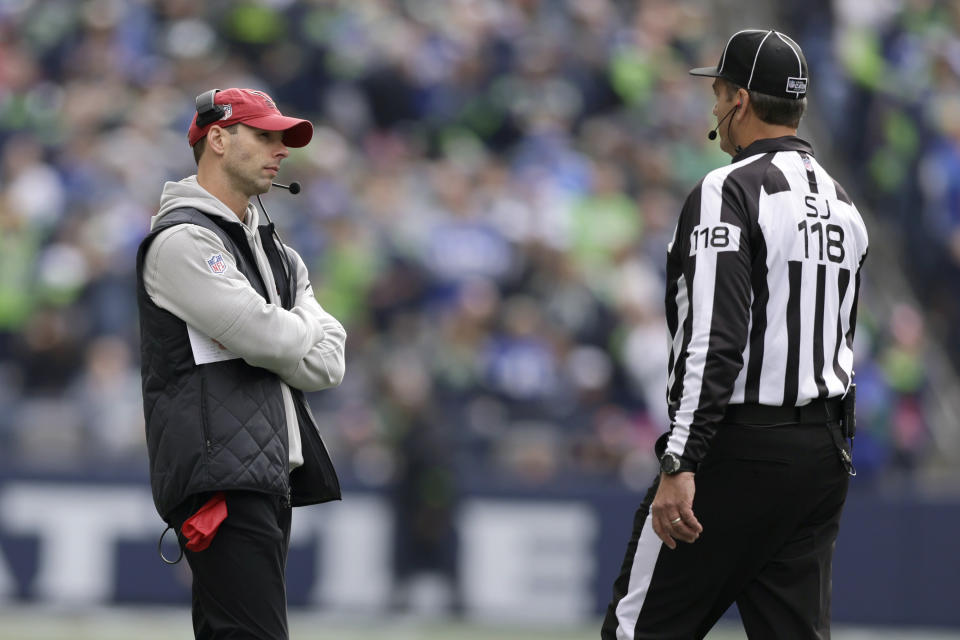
[{"x": 207, "y": 111}]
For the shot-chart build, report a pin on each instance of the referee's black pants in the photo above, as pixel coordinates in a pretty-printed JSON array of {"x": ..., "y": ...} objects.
[
  {"x": 239, "y": 581},
  {"x": 769, "y": 499}
]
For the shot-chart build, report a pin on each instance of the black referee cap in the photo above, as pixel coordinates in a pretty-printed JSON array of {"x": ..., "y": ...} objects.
[{"x": 761, "y": 60}]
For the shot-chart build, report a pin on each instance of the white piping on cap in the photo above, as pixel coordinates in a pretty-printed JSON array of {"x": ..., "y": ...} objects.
[
  {"x": 723, "y": 58},
  {"x": 787, "y": 41},
  {"x": 757, "y": 55}
]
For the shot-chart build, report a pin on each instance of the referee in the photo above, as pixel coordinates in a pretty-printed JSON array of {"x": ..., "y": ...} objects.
[{"x": 763, "y": 276}]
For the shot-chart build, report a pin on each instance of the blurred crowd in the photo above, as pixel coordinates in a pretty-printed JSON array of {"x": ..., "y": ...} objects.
[
  {"x": 486, "y": 207},
  {"x": 893, "y": 68}
]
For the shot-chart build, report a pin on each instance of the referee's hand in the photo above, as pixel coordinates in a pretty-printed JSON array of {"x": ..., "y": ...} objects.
[{"x": 674, "y": 500}]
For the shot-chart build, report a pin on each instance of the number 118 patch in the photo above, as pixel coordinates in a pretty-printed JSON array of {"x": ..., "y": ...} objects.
[{"x": 721, "y": 236}]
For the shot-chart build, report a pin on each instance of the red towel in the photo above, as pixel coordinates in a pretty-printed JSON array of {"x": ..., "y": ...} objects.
[{"x": 201, "y": 527}]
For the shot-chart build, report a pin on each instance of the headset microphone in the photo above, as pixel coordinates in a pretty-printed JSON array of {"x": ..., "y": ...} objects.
[
  {"x": 713, "y": 134},
  {"x": 293, "y": 187}
]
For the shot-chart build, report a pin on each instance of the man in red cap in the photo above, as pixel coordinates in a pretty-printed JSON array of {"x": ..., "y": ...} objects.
[{"x": 231, "y": 338}]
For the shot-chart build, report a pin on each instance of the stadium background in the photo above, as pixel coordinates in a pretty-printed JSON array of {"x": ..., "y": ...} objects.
[{"x": 486, "y": 206}]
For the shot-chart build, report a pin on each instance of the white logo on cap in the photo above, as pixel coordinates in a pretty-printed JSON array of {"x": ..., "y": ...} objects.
[
  {"x": 227, "y": 111},
  {"x": 796, "y": 85},
  {"x": 263, "y": 97}
]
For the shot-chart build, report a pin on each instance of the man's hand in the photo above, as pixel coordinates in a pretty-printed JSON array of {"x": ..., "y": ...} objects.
[{"x": 674, "y": 500}]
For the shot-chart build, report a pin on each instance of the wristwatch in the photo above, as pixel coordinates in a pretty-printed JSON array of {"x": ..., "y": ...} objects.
[{"x": 671, "y": 463}]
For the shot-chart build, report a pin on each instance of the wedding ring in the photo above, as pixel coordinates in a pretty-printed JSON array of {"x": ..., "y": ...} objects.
[{"x": 676, "y": 520}]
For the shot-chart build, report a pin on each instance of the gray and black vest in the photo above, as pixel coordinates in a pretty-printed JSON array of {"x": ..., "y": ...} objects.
[{"x": 222, "y": 425}]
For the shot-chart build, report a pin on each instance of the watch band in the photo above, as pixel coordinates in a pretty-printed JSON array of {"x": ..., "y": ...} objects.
[{"x": 671, "y": 463}]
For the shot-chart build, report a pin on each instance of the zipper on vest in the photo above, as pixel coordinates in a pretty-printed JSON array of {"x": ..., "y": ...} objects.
[{"x": 204, "y": 427}]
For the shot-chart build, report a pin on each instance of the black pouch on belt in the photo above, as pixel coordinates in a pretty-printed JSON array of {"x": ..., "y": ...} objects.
[
  {"x": 849, "y": 428},
  {"x": 850, "y": 413}
]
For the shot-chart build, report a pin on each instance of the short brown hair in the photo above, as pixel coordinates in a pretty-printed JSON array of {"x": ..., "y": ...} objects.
[{"x": 771, "y": 109}]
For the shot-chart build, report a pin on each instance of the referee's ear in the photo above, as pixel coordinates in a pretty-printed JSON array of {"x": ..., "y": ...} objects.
[{"x": 743, "y": 101}]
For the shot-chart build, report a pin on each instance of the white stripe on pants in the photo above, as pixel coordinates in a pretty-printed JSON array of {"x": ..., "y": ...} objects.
[{"x": 641, "y": 572}]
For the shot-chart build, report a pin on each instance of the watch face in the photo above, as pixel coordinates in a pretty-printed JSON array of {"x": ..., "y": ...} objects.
[{"x": 669, "y": 463}]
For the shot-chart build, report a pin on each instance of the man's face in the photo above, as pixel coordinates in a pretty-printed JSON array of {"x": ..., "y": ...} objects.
[
  {"x": 725, "y": 101},
  {"x": 252, "y": 159}
]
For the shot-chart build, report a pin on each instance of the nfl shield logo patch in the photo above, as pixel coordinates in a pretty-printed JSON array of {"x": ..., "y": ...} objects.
[
  {"x": 216, "y": 263},
  {"x": 797, "y": 86}
]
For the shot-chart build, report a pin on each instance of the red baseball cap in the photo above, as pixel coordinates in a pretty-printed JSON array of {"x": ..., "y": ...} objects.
[{"x": 255, "y": 109}]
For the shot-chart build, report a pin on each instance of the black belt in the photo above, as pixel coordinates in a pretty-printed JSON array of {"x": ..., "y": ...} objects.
[{"x": 821, "y": 410}]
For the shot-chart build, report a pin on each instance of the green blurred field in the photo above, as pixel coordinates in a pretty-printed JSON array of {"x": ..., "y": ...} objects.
[{"x": 27, "y": 623}]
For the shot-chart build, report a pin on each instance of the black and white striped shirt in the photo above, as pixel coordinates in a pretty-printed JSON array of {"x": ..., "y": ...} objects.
[{"x": 763, "y": 276}]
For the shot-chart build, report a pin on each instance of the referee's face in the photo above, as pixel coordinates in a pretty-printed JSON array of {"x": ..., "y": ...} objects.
[{"x": 725, "y": 101}]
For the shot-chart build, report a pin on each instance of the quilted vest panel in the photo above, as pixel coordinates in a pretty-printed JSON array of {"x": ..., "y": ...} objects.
[{"x": 222, "y": 425}]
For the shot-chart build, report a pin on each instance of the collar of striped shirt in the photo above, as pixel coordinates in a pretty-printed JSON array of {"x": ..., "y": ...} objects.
[{"x": 766, "y": 145}]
